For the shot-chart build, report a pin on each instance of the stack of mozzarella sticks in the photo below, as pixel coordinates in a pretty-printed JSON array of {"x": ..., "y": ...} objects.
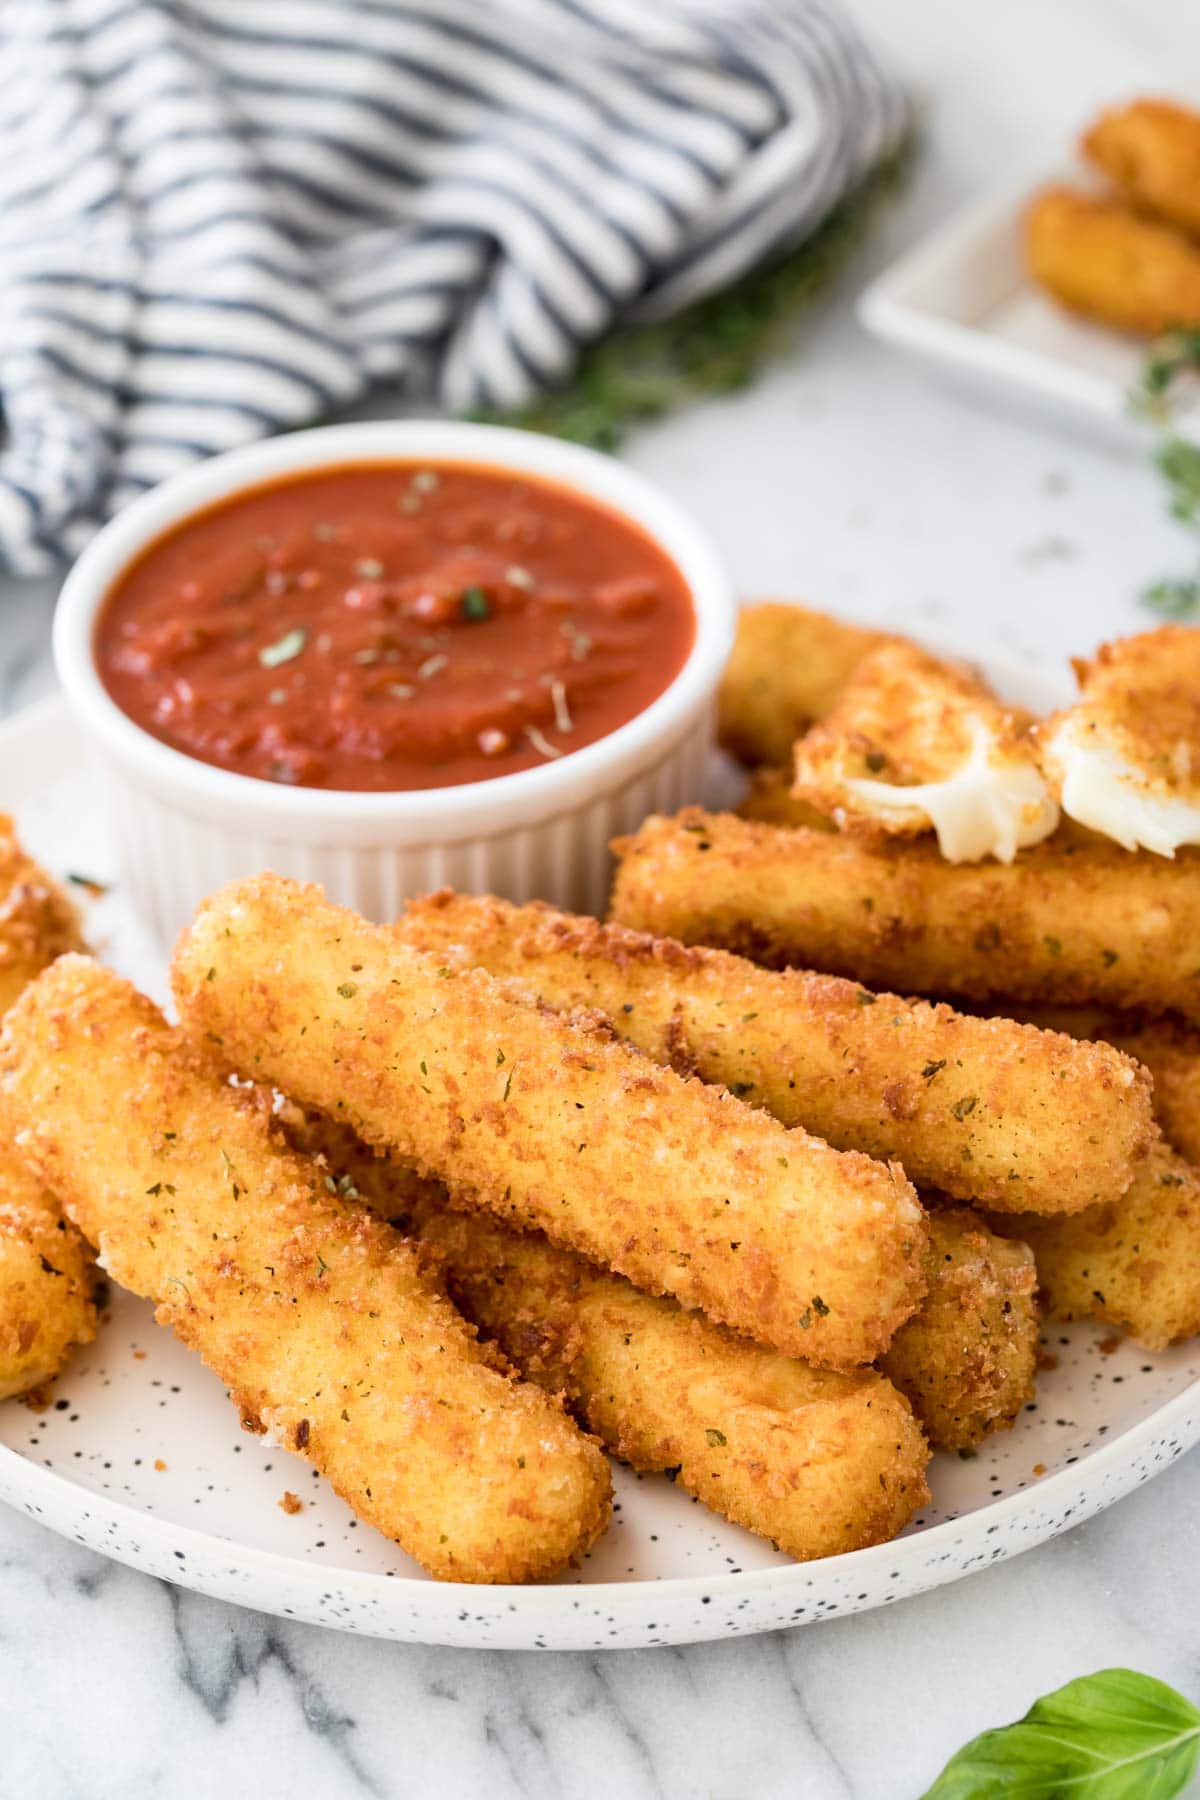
[{"x": 498, "y": 1188}]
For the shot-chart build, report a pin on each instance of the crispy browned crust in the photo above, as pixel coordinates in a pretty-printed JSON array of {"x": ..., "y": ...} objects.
[
  {"x": 968, "y": 1359},
  {"x": 1074, "y": 919},
  {"x": 787, "y": 668},
  {"x": 819, "y": 1462},
  {"x": 548, "y": 1121},
  {"x": 1168, "y": 1048},
  {"x": 769, "y": 799},
  {"x": 1150, "y": 150},
  {"x": 318, "y": 1317},
  {"x": 37, "y": 921},
  {"x": 902, "y": 718},
  {"x": 1105, "y": 260},
  {"x": 47, "y": 1303},
  {"x": 1140, "y": 697},
  {"x": 1134, "y": 1264},
  {"x": 980, "y": 1108}
]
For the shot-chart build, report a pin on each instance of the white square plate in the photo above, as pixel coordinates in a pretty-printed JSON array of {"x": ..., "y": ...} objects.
[{"x": 964, "y": 303}]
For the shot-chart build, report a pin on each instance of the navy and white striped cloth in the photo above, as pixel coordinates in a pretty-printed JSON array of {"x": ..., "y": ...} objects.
[{"x": 222, "y": 218}]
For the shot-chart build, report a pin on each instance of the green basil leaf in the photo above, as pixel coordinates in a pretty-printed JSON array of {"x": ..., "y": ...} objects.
[{"x": 1114, "y": 1735}]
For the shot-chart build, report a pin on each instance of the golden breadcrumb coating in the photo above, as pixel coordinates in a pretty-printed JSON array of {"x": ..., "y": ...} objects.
[
  {"x": 1134, "y": 1263},
  {"x": 1075, "y": 918},
  {"x": 1150, "y": 150},
  {"x": 37, "y": 921},
  {"x": 317, "y": 1316},
  {"x": 1168, "y": 1048},
  {"x": 770, "y": 799},
  {"x": 1126, "y": 756},
  {"x": 1104, "y": 259},
  {"x": 47, "y": 1306},
  {"x": 968, "y": 1359},
  {"x": 819, "y": 1462},
  {"x": 916, "y": 744},
  {"x": 787, "y": 667},
  {"x": 550, "y": 1122},
  {"x": 980, "y": 1108}
]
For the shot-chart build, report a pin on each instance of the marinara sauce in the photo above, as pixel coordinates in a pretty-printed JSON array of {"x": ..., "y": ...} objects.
[{"x": 394, "y": 625}]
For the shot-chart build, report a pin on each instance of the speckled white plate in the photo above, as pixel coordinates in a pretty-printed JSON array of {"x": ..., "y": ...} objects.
[{"x": 140, "y": 1454}]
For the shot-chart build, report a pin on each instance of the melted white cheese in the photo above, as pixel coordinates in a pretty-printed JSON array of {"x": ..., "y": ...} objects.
[
  {"x": 985, "y": 808},
  {"x": 1106, "y": 792}
]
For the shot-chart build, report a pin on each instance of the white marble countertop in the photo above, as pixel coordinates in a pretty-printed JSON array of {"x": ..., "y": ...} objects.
[{"x": 846, "y": 478}]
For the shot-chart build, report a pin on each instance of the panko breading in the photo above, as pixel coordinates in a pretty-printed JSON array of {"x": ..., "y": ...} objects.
[
  {"x": 1167, "y": 1048},
  {"x": 1073, "y": 919},
  {"x": 551, "y": 1122},
  {"x": 1111, "y": 263},
  {"x": 915, "y": 744},
  {"x": 817, "y": 1461},
  {"x": 1150, "y": 150},
  {"x": 1126, "y": 756},
  {"x": 1134, "y": 1263},
  {"x": 37, "y": 921},
  {"x": 980, "y": 1108},
  {"x": 786, "y": 670},
  {"x": 319, "y": 1318},
  {"x": 968, "y": 1359},
  {"x": 47, "y": 1306}
]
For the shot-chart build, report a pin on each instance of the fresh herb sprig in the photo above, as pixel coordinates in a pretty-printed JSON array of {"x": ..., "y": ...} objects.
[
  {"x": 716, "y": 345},
  {"x": 1176, "y": 459},
  {"x": 1114, "y": 1735}
]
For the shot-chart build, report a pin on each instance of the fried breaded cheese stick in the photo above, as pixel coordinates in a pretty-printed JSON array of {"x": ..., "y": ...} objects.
[
  {"x": 37, "y": 920},
  {"x": 1168, "y": 1048},
  {"x": 1075, "y": 918},
  {"x": 981, "y": 1108},
  {"x": 46, "y": 1281},
  {"x": 968, "y": 1358},
  {"x": 318, "y": 1317},
  {"x": 1104, "y": 259},
  {"x": 917, "y": 744},
  {"x": 1150, "y": 150},
  {"x": 817, "y": 1461},
  {"x": 769, "y": 799},
  {"x": 1126, "y": 756},
  {"x": 550, "y": 1122},
  {"x": 1134, "y": 1264},
  {"x": 787, "y": 667}
]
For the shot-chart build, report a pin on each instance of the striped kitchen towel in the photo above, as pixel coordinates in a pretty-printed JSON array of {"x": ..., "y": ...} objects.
[{"x": 222, "y": 218}]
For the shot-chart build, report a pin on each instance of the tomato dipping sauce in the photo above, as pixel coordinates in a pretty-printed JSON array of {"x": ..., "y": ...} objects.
[{"x": 391, "y": 626}]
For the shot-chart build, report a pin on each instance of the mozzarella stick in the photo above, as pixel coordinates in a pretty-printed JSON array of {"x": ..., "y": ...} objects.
[
  {"x": 817, "y": 1461},
  {"x": 968, "y": 1359},
  {"x": 1104, "y": 259},
  {"x": 37, "y": 921},
  {"x": 769, "y": 799},
  {"x": 549, "y": 1122},
  {"x": 980, "y": 1108},
  {"x": 1075, "y": 918},
  {"x": 1167, "y": 1048},
  {"x": 787, "y": 668},
  {"x": 46, "y": 1280},
  {"x": 1134, "y": 1264},
  {"x": 1150, "y": 150},
  {"x": 318, "y": 1317}
]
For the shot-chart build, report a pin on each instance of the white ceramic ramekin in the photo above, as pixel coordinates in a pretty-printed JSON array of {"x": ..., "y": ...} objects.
[{"x": 183, "y": 827}]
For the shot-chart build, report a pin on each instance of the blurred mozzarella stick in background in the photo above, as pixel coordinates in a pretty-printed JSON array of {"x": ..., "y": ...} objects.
[
  {"x": 786, "y": 670},
  {"x": 318, "y": 1317},
  {"x": 819, "y": 1462},
  {"x": 1150, "y": 150},
  {"x": 980, "y": 1108},
  {"x": 1126, "y": 756},
  {"x": 1134, "y": 1263},
  {"x": 550, "y": 1122},
  {"x": 769, "y": 798},
  {"x": 1108, "y": 261},
  {"x": 968, "y": 1359},
  {"x": 915, "y": 744},
  {"x": 46, "y": 1275},
  {"x": 1074, "y": 919}
]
